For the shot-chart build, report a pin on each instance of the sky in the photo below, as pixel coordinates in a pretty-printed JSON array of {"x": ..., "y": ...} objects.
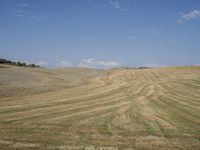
[{"x": 101, "y": 33}]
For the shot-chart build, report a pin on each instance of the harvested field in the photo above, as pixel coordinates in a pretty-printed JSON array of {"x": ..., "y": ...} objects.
[{"x": 90, "y": 109}]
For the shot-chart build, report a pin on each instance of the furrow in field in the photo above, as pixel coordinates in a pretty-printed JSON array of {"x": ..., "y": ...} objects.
[
  {"x": 49, "y": 99},
  {"x": 57, "y": 102},
  {"x": 46, "y": 110},
  {"x": 171, "y": 88},
  {"x": 63, "y": 105}
]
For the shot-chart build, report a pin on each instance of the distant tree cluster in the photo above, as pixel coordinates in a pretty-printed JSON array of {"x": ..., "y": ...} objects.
[{"x": 20, "y": 64}]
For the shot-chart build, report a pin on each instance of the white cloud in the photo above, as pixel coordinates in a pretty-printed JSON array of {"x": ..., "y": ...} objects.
[
  {"x": 42, "y": 63},
  {"x": 152, "y": 65},
  {"x": 189, "y": 16},
  {"x": 38, "y": 18},
  {"x": 172, "y": 40},
  {"x": 89, "y": 1},
  {"x": 28, "y": 15},
  {"x": 154, "y": 31},
  {"x": 122, "y": 5},
  {"x": 24, "y": 5},
  {"x": 115, "y": 4},
  {"x": 93, "y": 63},
  {"x": 25, "y": 61},
  {"x": 64, "y": 63},
  {"x": 19, "y": 12},
  {"x": 180, "y": 20},
  {"x": 128, "y": 37}
]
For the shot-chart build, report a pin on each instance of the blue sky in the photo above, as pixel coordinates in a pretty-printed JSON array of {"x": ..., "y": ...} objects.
[{"x": 101, "y": 33}]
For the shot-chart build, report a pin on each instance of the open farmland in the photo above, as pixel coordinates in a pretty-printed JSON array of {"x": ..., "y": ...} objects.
[{"x": 90, "y": 109}]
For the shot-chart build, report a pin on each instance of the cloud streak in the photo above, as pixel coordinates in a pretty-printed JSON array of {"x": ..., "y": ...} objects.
[
  {"x": 84, "y": 63},
  {"x": 37, "y": 18},
  {"x": 22, "y": 12},
  {"x": 128, "y": 37},
  {"x": 189, "y": 16},
  {"x": 120, "y": 5},
  {"x": 64, "y": 63},
  {"x": 115, "y": 4},
  {"x": 42, "y": 63},
  {"x": 99, "y": 64},
  {"x": 152, "y": 65},
  {"x": 19, "y": 13},
  {"x": 24, "y": 5}
]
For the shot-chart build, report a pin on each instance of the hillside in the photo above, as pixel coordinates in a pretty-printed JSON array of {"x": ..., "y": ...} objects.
[
  {"x": 89, "y": 109},
  {"x": 18, "y": 81}
]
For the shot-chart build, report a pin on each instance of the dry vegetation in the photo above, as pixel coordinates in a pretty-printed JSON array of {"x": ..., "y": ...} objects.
[{"x": 89, "y": 109}]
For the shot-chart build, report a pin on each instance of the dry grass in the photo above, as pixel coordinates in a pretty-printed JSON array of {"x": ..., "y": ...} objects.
[
  {"x": 89, "y": 109},
  {"x": 17, "y": 81}
]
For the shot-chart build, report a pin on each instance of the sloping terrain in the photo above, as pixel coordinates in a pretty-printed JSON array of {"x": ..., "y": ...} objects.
[
  {"x": 18, "y": 81},
  {"x": 114, "y": 109}
]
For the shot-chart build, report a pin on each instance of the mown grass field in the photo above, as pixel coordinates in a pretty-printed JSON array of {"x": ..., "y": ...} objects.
[{"x": 87, "y": 109}]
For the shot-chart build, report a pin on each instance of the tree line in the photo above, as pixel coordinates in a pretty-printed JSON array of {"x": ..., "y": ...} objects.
[{"x": 18, "y": 63}]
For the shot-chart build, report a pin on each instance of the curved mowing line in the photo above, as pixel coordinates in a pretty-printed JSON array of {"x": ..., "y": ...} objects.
[{"x": 125, "y": 108}]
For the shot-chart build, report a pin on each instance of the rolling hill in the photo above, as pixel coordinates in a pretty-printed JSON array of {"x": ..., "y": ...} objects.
[{"x": 151, "y": 109}]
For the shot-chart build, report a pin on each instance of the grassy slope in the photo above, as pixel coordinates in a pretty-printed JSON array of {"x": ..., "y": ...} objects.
[
  {"x": 18, "y": 81},
  {"x": 120, "y": 109}
]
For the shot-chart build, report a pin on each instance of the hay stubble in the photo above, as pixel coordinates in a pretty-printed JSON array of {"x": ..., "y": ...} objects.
[{"x": 117, "y": 109}]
